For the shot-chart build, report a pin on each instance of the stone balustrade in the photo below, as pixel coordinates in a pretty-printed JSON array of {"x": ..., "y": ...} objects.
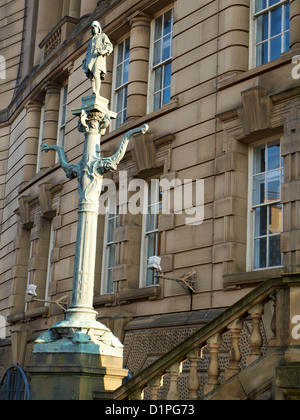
[
  {"x": 58, "y": 35},
  {"x": 205, "y": 360},
  {"x": 53, "y": 42},
  {"x": 217, "y": 353}
]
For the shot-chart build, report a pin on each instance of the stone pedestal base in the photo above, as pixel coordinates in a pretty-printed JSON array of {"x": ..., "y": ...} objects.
[
  {"x": 288, "y": 380},
  {"x": 69, "y": 376},
  {"x": 74, "y": 358},
  {"x": 94, "y": 103}
]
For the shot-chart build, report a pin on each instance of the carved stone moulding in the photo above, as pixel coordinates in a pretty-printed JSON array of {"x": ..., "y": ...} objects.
[
  {"x": 255, "y": 113},
  {"x": 94, "y": 114},
  {"x": 45, "y": 201}
]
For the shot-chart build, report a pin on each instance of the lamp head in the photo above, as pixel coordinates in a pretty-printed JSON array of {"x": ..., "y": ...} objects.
[
  {"x": 31, "y": 290},
  {"x": 154, "y": 263}
]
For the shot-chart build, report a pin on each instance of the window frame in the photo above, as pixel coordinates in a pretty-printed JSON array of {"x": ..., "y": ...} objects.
[
  {"x": 152, "y": 67},
  {"x": 63, "y": 108},
  {"x": 40, "y": 140},
  {"x": 253, "y": 32},
  {"x": 123, "y": 86},
  {"x": 28, "y": 279},
  {"x": 106, "y": 252},
  {"x": 146, "y": 234},
  {"x": 50, "y": 263},
  {"x": 251, "y": 207}
]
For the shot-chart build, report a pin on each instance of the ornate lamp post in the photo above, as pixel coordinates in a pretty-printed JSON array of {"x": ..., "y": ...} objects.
[{"x": 80, "y": 339}]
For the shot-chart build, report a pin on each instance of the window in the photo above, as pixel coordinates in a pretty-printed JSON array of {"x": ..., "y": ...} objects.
[
  {"x": 50, "y": 264},
  {"x": 162, "y": 60},
  {"x": 41, "y": 134},
  {"x": 109, "y": 253},
  {"x": 272, "y": 24},
  {"x": 40, "y": 270},
  {"x": 29, "y": 273},
  {"x": 62, "y": 116},
  {"x": 121, "y": 83},
  {"x": 150, "y": 242},
  {"x": 267, "y": 210}
]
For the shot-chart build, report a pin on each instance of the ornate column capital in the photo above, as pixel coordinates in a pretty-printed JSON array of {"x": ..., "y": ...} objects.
[{"x": 95, "y": 121}]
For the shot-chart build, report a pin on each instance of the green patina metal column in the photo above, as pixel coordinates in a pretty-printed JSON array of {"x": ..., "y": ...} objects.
[
  {"x": 72, "y": 358},
  {"x": 91, "y": 170},
  {"x": 80, "y": 355}
]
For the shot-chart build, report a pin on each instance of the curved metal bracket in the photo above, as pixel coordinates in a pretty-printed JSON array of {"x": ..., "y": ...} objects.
[
  {"x": 111, "y": 163},
  {"x": 101, "y": 165},
  {"x": 72, "y": 170}
]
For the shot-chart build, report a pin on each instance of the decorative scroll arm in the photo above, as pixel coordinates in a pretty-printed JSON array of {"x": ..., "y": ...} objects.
[
  {"x": 111, "y": 163},
  {"x": 72, "y": 170}
]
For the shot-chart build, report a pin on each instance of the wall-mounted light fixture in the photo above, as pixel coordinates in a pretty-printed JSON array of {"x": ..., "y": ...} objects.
[
  {"x": 62, "y": 302},
  {"x": 188, "y": 281}
]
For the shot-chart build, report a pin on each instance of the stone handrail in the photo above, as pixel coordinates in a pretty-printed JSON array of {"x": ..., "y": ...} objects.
[{"x": 250, "y": 307}]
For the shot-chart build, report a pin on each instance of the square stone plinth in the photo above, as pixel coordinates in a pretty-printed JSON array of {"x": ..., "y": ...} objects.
[
  {"x": 74, "y": 376},
  {"x": 94, "y": 103}
]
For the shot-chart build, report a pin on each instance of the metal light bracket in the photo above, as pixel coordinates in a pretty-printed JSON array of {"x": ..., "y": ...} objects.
[
  {"x": 188, "y": 281},
  {"x": 62, "y": 302}
]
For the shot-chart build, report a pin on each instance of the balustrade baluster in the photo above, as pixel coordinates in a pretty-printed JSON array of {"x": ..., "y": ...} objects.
[
  {"x": 234, "y": 354},
  {"x": 137, "y": 395},
  {"x": 214, "y": 344},
  {"x": 194, "y": 381},
  {"x": 256, "y": 339},
  {"x": 154, "y": 385},
  {"x": 174, "y": 372}
]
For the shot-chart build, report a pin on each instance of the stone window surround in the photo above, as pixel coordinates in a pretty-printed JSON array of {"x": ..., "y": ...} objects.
[
  {"x": 152, "y": 68},
  {"x": 40, "y": 140},
  {"x": 109, "y": 250},
  {"x": 250, "y": 236},
  {"x": 63, "y": 114},
  {"x": 159, "y": 157},
  {"x": 145, "y": 241},
  {"x": 252, "y": 46},
  {"x": 270, "y": 123},
  {"x": 31, "y": 212},
  {"x": 135, "y": 162},
  {"x": 123, "y": 86}
]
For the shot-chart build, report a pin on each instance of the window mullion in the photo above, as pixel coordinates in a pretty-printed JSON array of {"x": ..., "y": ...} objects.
[
  {"x": 282, "y": 18},
  {"x": 269, "y": 36},
  {"x": 162, "y": 85}
]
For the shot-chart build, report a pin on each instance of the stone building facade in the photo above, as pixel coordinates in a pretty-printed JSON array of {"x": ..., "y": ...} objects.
[{"x": 218, "y": 84}]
